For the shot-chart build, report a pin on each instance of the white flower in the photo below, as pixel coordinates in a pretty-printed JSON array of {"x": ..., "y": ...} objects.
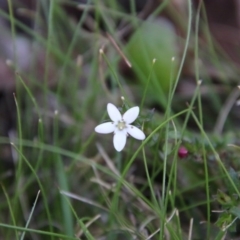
[{"x": 120, "y": 126}]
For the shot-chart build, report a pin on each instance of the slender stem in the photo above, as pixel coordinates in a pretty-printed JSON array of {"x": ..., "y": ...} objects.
[{"x": 201, "y": 118}]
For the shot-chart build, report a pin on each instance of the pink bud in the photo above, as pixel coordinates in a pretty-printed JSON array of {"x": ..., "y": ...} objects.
[{"x": 182, "y": 152}]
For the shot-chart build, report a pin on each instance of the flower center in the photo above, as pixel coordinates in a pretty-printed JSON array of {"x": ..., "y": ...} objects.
[{"x": 121, "y": 125}]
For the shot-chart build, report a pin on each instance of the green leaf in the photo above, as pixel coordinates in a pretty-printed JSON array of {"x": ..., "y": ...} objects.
[
  {"x": 224, "y": 199},
  {"x": 235, "y": 177},
  {"x": 224, "y": 220},
  {"x": 153, "y": 40},
  {"x": 235, "y": 211}
]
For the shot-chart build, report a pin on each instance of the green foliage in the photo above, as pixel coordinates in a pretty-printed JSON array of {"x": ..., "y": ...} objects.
[
  {"x": 87, "y": 189},
  {"x": 153, "y": 40},
  {"x": 230, "y": 205}
]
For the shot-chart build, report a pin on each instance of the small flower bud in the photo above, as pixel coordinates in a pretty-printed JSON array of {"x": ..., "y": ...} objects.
[{"x": 182, "y": 152}]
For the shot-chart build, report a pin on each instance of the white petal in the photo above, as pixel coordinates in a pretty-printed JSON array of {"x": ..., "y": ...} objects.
[
  {"x": 119, "y": 140},
  {"x": 136, "y": 132},
  {"x": 131, "y": 115},
  {"x": 105, "y": 128},
  {"x": 113, "y": 112}
]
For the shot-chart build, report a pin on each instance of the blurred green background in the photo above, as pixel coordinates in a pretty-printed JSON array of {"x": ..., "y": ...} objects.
[{"x": 54, "y": 88}]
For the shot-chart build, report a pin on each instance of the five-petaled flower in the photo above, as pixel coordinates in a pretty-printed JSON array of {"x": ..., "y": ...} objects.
[{"x": 120, "y": 126}]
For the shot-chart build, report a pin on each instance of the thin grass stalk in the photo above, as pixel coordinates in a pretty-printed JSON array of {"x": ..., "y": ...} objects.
[
  {"x": 19, "y": 151},
  {"x": 201, "y": 119},
  {"x": 11, "y": 209},
  {"x": 63, "y": 183},
  {"x": 218, "y": 159},
  {"x": 70, "y": 48},
  {"x": 44, "y": 233},
  {"x": 30, "y": 216}
]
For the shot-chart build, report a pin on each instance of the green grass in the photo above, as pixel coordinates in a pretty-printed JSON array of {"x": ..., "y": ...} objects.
[{"x": 67, "y": 182}]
